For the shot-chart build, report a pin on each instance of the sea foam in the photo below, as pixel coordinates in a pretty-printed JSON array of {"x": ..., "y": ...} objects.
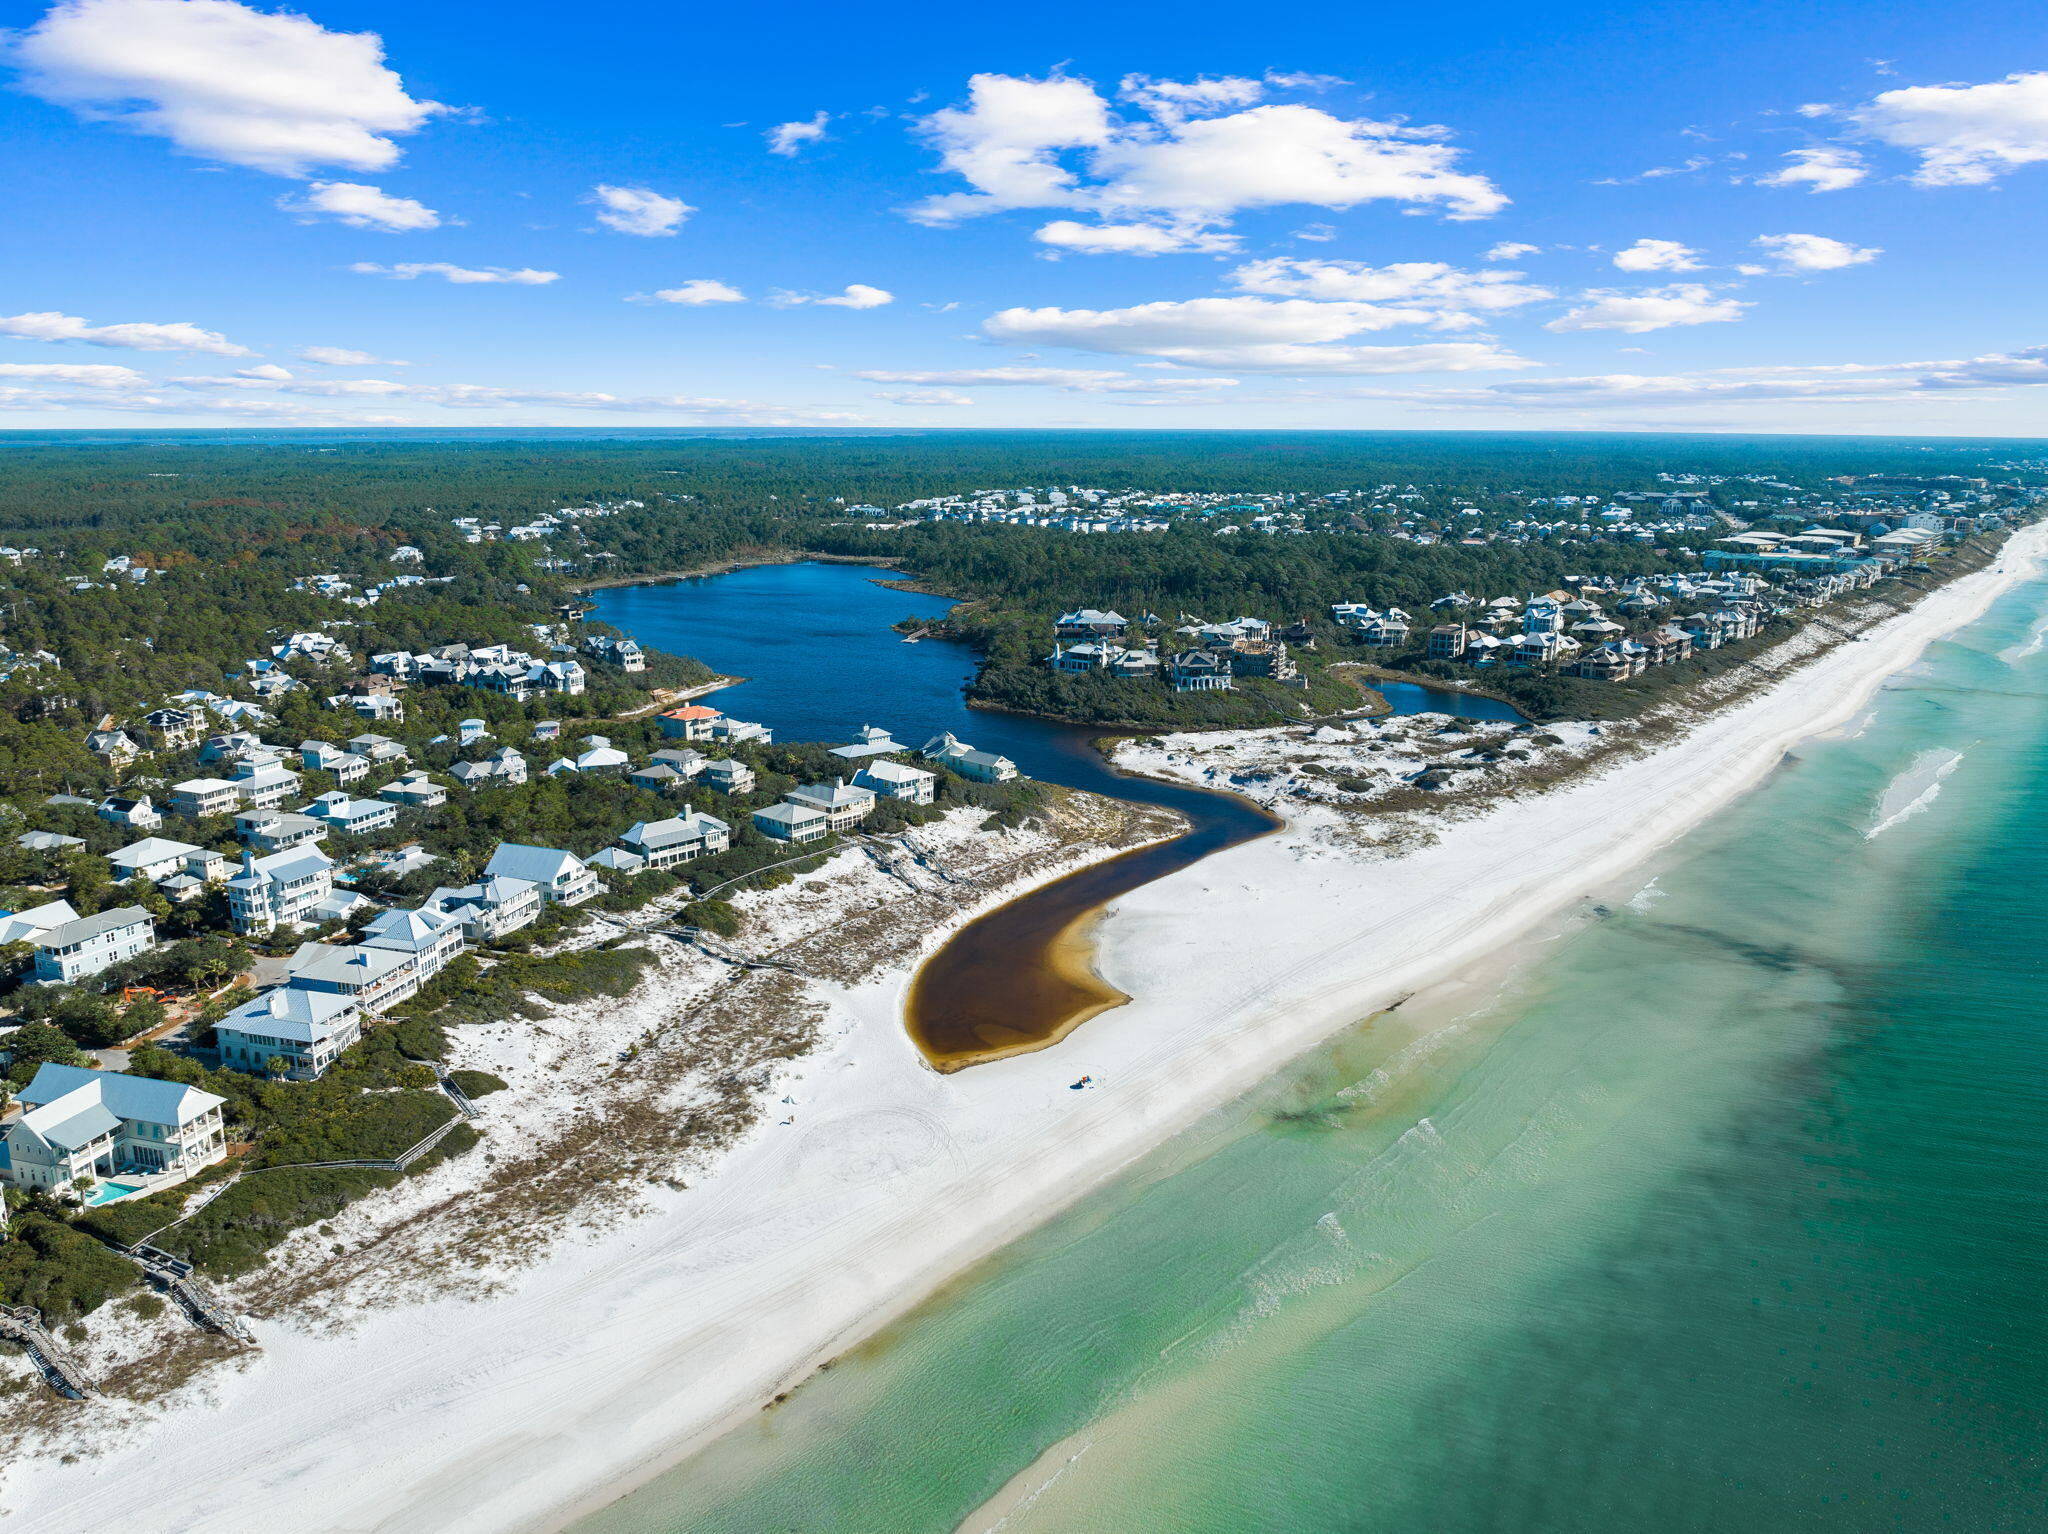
[{"x": 1913, "y": 790}]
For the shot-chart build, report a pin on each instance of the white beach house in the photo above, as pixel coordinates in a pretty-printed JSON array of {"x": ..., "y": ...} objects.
[{"x": 96, "y": 1124}]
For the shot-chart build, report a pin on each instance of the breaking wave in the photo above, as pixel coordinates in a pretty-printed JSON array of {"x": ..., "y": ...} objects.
[{"x": 1913, "y": 790}]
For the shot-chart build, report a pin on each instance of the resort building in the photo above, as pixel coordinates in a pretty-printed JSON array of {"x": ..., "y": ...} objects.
[{"x": 97, "y": 1124}]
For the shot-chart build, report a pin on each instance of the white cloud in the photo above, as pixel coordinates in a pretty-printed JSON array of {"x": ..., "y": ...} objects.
[
  {"x": 1254, "y": 334},
  {"x": 1685, "y": 303},
  {"x": 1511, "y": 250},
  {"x": 698, "y": 290},
  {"x": 1431, "y": 284},
  {"x": 1842, "y": 383},
  {"x": 639, "y": 210},
  {"x": 1815, "y": 252},
  {"x": 1657, "y": 256},
  {"x": 1131, "y": 239},
  {"x": 1965, "y": 135},
  {"x": 346, "y": 357},
  {"x": 1175, "y": 100},
  {"x": 178, "y": 336},
  {"x": 275, "y": 92},
  {"x": 1070, "y": 380},
  {"x": 1824, "y": 169},
  {"x": 268, "y": 371},
  {"x": 1005, "y": 143},
  {"x": 858, "y": 295},
  {"x": 1181, "y": 167},
  {"x": 789, "y": 138},
  {"x": 923, "y": 397},
  {"x": 406, "y": 271},
  {"x": 361, "y": 207},
  {"x": 90, "y": 375}
]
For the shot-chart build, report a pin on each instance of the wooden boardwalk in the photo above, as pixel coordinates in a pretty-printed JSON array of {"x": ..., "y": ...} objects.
[{"x": 23, "y": 1325}]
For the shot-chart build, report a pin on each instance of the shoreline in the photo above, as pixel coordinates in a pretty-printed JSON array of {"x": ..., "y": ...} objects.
[
  {"x": 800, "y": 1245},
  {"x": 726, "y": 567}
]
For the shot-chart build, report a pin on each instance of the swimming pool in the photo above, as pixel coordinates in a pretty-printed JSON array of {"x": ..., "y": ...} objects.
[{"x": 110, "y": 1192}]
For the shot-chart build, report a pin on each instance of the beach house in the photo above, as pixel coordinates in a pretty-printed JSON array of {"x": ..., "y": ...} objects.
[
  {"x": 92, "y": 943},
  {"x": 94, "y": 1124},
  {"x": 843, "y": 804},
  {"x": 787, "y": 822},
  {"x": 897, "y": 780},
  {"x": 957, "y": 756},
  {"x": 303, "y": 1030},
  {"x": 562, "y": 876},
  {"x": 282, "y": 889},
  {"x": 678, "y": 839}
]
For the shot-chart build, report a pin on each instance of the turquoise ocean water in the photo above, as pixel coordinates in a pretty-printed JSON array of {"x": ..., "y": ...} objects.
[{"x": 1727, "y": 1212}]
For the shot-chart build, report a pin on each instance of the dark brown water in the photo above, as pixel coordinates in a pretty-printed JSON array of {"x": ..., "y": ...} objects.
[{"x": 1022, "y": 976}]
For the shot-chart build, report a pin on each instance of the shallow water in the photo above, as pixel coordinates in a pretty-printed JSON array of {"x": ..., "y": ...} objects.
[{"x": 1731, "y": 1212}]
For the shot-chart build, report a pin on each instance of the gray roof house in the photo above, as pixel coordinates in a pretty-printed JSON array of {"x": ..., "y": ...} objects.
[
  {"x": 792, "y": 823},
  {"x": 665, "y": 843},
  {"x": 562, "y": 876},
  {"x": 305, "y": 1030},
  {"x": 92, "y": 943},
  {"x": 95, "y": 1124},
  {"x": 843, "y": 804},
  {"x": 154, "y": 858},
  {"x": 898, "y": 780}
]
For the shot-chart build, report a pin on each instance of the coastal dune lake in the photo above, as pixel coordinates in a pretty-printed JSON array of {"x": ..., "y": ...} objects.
[
  {"x": 815, "y": 642},
  {"x": 1727, "y": 1210}
]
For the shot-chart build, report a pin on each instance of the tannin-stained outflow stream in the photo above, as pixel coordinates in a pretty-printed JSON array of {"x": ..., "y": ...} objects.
[{"x": 1022, "y": 977}]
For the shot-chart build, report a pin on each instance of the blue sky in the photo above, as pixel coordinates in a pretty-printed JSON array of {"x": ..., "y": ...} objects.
[{"x": 1785, "y": 217}]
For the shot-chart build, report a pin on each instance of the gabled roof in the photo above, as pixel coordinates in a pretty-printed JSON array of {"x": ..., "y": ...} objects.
[
  {"x": 21, "y": 926},
  {"x": 407, "y": 931},
  {"x": 151, "y": 849},
  {"x": 132, "y": 1097},
  {"x": 342, "y": 964},
  {"x": 304, "y": 1017},
  {"x": 537, "y": 865},
  {"x": 895, "y": 772},
  {"x": 87, "y": 928}
]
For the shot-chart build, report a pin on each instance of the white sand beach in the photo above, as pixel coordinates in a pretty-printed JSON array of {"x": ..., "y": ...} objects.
[{"x": 600, "y": 1365}]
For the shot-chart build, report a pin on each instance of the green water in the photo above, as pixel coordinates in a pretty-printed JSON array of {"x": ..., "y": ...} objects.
[{"x": 1728, "y": 1213}]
